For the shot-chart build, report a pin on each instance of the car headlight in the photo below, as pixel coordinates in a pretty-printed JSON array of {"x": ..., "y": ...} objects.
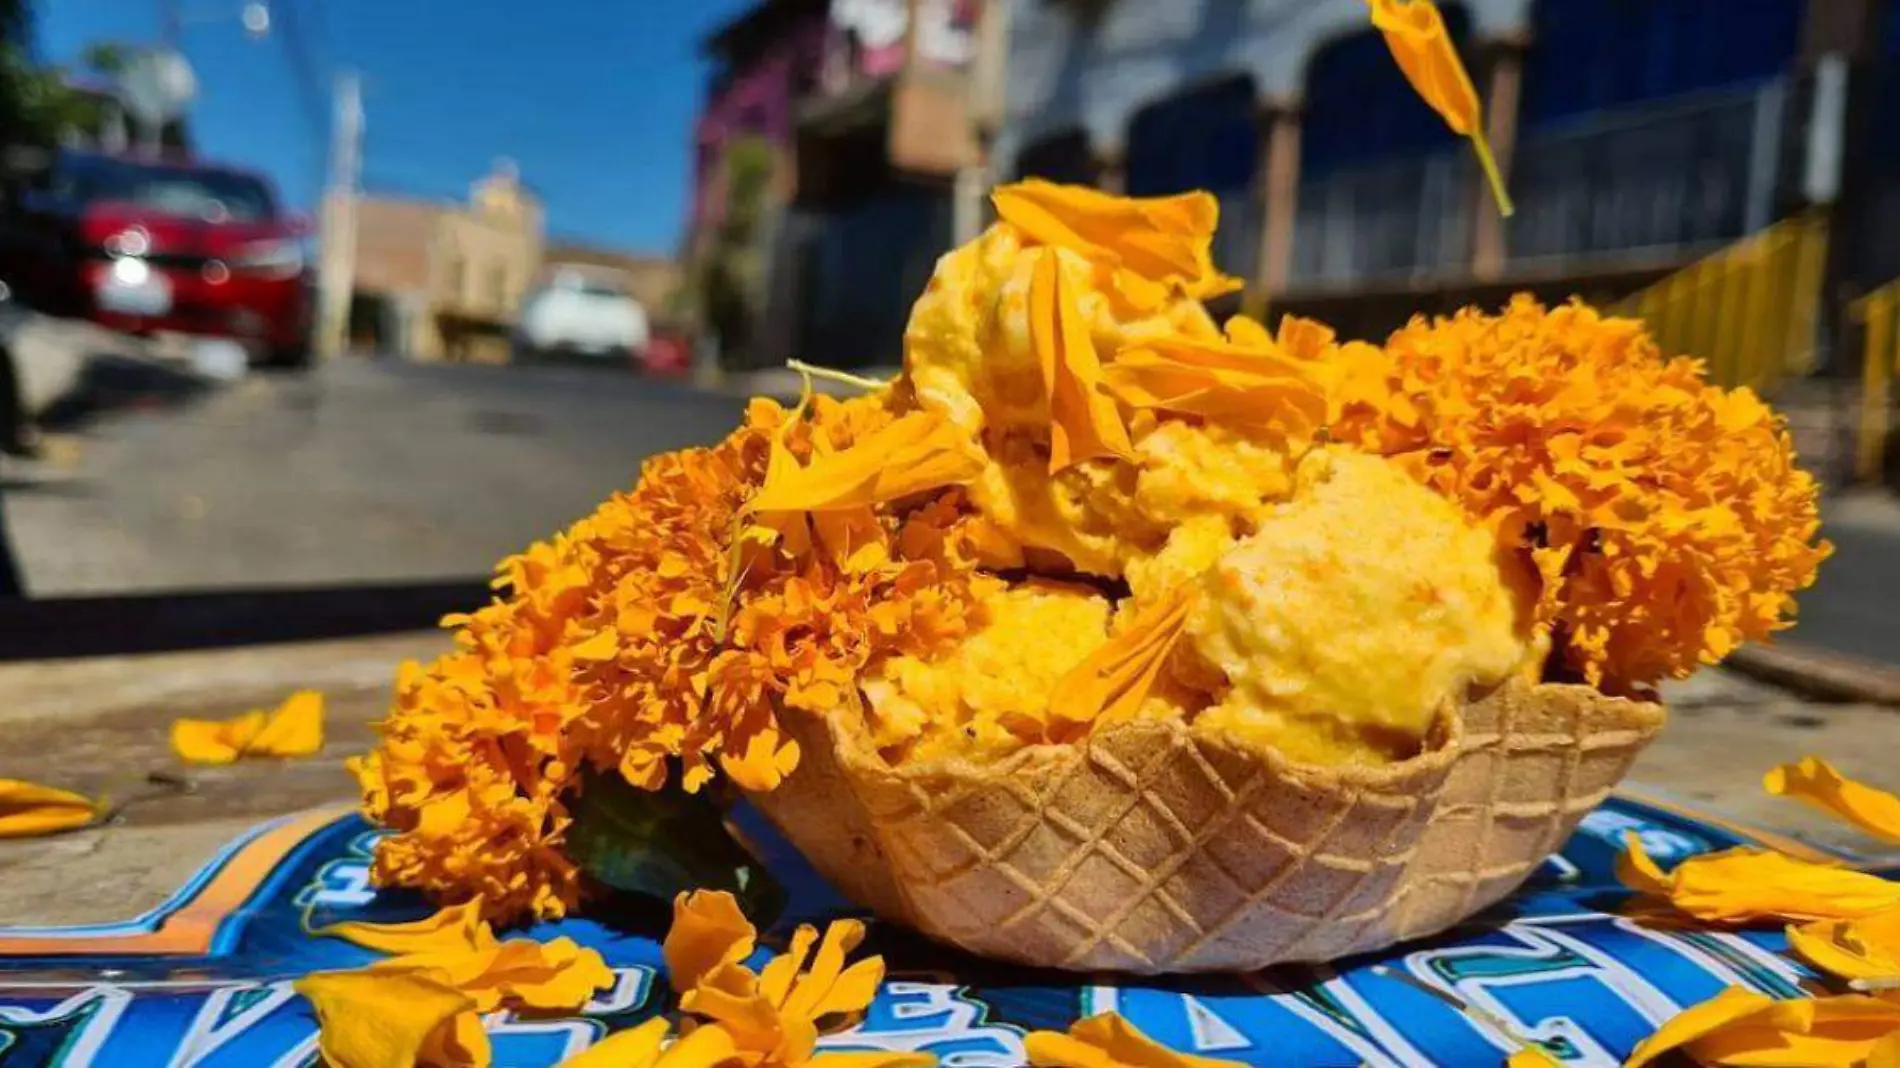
[{"x": 270, "y": 257}]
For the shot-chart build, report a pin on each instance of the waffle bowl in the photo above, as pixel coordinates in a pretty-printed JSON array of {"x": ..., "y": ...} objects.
[{"x": 1148, "y": 848}]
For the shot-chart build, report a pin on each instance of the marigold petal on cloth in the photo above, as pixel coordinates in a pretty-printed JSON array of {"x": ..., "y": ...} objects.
[
  {"x": 1742, "y": 885},
  {"x": 457, "y": 927},
  {"x": 558, "y": 975},
  {"x": 28, "y": 809},
  {"x": 709, "y": 932},
  {"x": 874, "y": 1059},
  {"x": 1530, "y": 1057},
  {"x": 1160, "y": 239},
  {"x": 1816, "y": 782},
  {"x": 293, "y": 729},
  {"x": 644, "y": 1046},
  {"x": 1864, "y": 948},
  {"x": 1108, "y": 1041},
  {"x": 1084, "y": 421},
  {"x": 381, "y": 1019},
  {"x": 1741, "y": 1027},
  {"x": 1113, "y": 681},
  {"x": 1415, "y": 32}
]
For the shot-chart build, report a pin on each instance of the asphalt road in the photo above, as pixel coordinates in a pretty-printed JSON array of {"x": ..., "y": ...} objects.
[
  {"x": 1855, "y": 606},
  {"x": 361, "y": 471}
]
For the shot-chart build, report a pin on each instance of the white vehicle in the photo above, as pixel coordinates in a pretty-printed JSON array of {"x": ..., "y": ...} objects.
[{"x": 581, "y": 314}]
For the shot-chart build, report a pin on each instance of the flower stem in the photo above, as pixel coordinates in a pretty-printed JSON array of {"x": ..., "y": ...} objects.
[
  {"x": 1492, "y": 174},
  {"x": 844, "y": 377}
]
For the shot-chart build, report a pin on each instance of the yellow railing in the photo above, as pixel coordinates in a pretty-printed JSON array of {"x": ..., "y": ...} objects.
[
  {"x": 1749, "y": 310},
  {"x": 1878, "y": 311}
]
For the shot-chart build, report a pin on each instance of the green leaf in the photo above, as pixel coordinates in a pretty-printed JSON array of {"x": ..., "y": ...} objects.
[{"x": 659, "y": 843}]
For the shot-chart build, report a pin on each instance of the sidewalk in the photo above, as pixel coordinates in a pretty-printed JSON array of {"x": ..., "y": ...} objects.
[{"x": 101, "y": 725}]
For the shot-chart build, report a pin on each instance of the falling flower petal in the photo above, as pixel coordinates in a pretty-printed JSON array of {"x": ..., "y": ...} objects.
[
  {"x": 1815, "y": 782},
  {"x": 1084, "y": 421},
  {"x": 1108, "y": 1041},
  {"x": 1741, "y": 1027},
  {"x": 1864, "y": 948},
  {"x": 1415, "y": 32},
  {"x": 1741, "y": 885},
  {"x": 458, "y": 927},
  {"x": 1113, "y": 681},
  {"x": 381, "y": 1020},
  {"x": 294, "y": 729},
  {"x": 28, "y": 809},
  {"x": 1160, "y": 239}
]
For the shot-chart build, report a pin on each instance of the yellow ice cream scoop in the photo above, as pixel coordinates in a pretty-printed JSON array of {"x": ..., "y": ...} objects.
[{"x": 1352, "y": 614}]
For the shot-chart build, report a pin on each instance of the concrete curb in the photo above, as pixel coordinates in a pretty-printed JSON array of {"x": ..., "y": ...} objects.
[{"x": 1819, "y": 674}]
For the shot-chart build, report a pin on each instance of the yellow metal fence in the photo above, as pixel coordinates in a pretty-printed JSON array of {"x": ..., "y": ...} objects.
[
  {"x": 1879, "y": 311},
  {"x": 1749, "y": 310}
]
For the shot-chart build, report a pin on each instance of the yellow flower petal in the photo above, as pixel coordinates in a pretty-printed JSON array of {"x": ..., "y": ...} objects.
[
  {"x": 1159, "y": 239},
  {"x": 1108, "y": 1041},
  {"x": 1741, "y": 1027},
  {"x": 1084, "y": 421},
  {"x": 293, "y": 729},
  {"x": 374, "y": 1020},
  {"x": 1415, "y": 32},
  {"x": 554, "y": 976},
  {"x": 1864, "y": 948},
  {"x": 28, "y": 809},
  {"x": 458, "y": 927},
  {"x": 637, "y": 1047},
  {"x": 1245, "y": 383},
  {"x": 874, "y": 1059},
  {"x": 461, "y": 1044},
  {"x": 1815, "y": 782},
  {"x": 1741, "y": 885},
  {"x": 708, "y": 932},
  {"x": 916, "y": 452},
  {"x": 813, "y": 991},
  {"x": 1113, "y": 681},
  {"x": 1530, "y": 1057}
]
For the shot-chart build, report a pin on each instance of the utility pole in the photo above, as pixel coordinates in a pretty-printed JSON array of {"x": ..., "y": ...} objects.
[{"x": 336, "y": 270}]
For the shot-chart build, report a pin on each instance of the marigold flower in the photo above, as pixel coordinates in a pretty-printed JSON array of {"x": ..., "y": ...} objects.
[
  {"x": 1108, "y": 1041},
  {"x": 1665, "y": 516},
  {"x": 28, "y": 809},
  {"x": 614, "y": 646},
  {"x": 1084, "y": 423},
  {"x": 1743, "y": 884},
  {"x": 1741, "y": 1027},
  {"x": 771, "y": 1015},
  {"x": 1115, "y": 679},
  {"x": 293, "y": 729},
  {"x": 1815, "y": 782}
]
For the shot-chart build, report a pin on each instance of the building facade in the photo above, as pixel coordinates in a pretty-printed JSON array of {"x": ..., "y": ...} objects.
[
  {"x": 444, "y": 281},
  {"x": 1637, "y": 135},
  {"x": 825, "y": 172}
]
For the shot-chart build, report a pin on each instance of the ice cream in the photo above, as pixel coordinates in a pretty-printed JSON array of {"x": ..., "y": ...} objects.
[{"x": 1347, "y": 621}]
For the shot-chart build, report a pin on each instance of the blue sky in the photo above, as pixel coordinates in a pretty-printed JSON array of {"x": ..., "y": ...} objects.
[{"x": 593, "y": 98}]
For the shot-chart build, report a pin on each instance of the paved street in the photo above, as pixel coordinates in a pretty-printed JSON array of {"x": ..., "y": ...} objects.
[
  {"x": 361, "y": 471},
  {"x": 1855, "y": 607}
]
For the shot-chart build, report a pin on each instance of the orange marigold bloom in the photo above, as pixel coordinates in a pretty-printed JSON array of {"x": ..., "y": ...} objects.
[
  {"x": 1665, "y": 516},
  {"x": 612, "y": 648}
]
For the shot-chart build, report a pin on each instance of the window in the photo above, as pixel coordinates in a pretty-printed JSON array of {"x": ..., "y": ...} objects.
[{"x": 215, "y": 196}]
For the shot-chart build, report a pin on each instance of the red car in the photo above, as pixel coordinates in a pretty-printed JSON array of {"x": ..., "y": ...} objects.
[{"x": 149, "y": 245}]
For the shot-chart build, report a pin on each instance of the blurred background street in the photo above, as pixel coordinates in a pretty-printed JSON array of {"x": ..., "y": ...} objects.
[{"x": 319, "y": 296}]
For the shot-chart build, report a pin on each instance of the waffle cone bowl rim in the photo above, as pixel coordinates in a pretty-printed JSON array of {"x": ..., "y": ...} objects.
[{"x": 873, "y": 863}]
